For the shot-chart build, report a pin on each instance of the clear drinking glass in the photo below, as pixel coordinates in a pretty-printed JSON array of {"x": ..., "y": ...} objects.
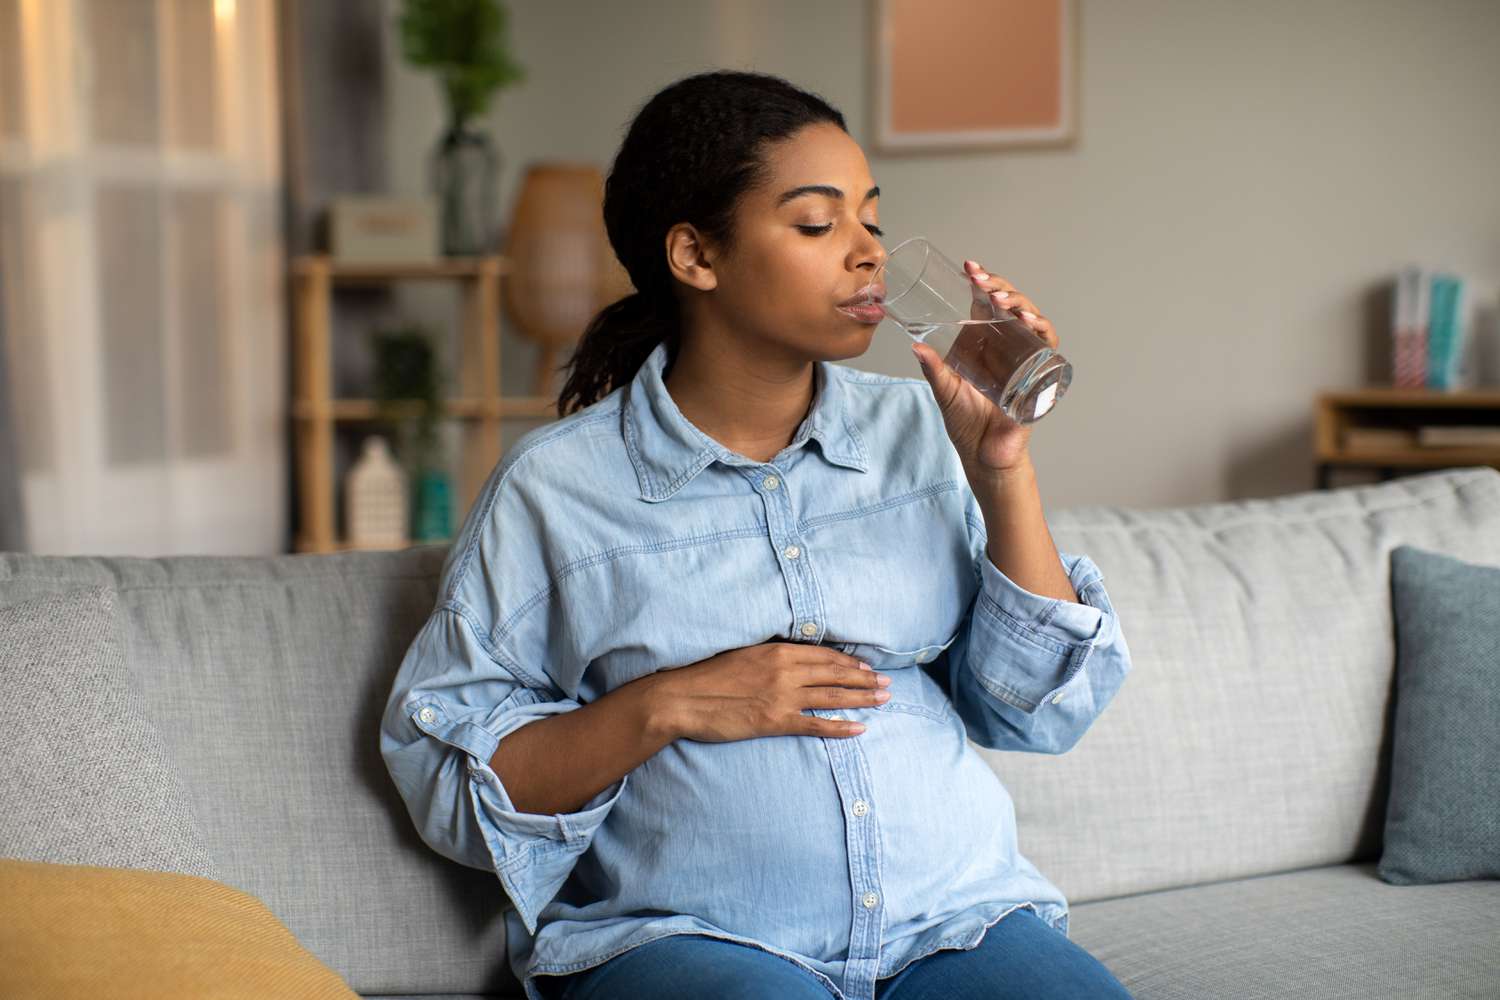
[{"x": 936, "y": 302}]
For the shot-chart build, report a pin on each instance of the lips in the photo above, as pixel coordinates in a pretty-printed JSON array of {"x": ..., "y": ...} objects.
[
  {"x": 868, "y": 295},
  {"x": 872, "y": 313}
]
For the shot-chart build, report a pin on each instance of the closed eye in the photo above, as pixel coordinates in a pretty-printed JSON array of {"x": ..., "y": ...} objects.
[{"x": 820, "y": 230}]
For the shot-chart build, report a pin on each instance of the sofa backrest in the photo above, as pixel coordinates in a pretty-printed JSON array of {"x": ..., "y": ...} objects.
[
  {"x": 268, "y": 676},
  {"x": 1252, "y": 735}
]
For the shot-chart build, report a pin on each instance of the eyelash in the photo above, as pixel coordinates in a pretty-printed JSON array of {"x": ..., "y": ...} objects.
[{"x": 820, "y": 230}]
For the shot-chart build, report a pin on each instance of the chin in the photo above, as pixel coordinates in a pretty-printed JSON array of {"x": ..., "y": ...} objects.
[
  {"x": 840, "y": 343},
  {"x": 853, "y": 344}
]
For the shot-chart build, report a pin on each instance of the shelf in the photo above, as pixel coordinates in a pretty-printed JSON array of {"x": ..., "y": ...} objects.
[
  {"x": 363, "y": 410},
  {"x": 1389, "y": 410},
  {"x": 444, "y": 268},
  {"x": 477, "y": 401},
  {"x": 306, "y": 545},
  {"x": 1436, "y": 458},
  {"x": 1386, "y": 396}
]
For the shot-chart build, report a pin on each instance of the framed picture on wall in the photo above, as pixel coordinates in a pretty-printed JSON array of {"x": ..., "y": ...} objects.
[{"x": 973, "y": 74}]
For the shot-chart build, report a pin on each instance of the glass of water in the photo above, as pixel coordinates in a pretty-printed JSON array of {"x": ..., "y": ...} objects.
[{"x": 936, "y": 302}]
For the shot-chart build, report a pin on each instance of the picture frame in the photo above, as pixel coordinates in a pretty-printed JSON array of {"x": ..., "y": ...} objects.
[{"x": 926, "y": 55}]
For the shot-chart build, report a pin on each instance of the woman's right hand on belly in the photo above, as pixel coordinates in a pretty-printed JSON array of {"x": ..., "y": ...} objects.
[{"x": 762, "y": 690}]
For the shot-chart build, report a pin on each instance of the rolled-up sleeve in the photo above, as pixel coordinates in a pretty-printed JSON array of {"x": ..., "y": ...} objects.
[
  {"x": 454, "y": 699},
  {"x": 1029, "y": 672}
]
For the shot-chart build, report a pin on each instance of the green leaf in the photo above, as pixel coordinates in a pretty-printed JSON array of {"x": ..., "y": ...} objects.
[{"x": 467, "y": 44}]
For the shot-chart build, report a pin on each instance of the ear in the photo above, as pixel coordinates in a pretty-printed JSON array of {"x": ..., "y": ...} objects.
[{"x": 688, "y": 258}]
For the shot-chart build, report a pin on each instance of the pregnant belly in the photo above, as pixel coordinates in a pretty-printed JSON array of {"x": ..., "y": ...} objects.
[{"x": 747, "y": 835}]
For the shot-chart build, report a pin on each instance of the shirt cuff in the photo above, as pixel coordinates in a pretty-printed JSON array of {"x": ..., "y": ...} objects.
[{"x": 1047, "y": 617}]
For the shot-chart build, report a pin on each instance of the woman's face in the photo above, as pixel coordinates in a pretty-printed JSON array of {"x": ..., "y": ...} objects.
[{"x": 799, "y": 254}]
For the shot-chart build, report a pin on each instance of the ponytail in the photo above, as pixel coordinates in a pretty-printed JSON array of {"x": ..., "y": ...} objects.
[{"x": 614, "y": 345}]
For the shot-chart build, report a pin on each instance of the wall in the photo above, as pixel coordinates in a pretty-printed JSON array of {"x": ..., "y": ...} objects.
[{"x": 1214, "y": 251}]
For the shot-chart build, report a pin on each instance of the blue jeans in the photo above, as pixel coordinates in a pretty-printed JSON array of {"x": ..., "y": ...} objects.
[{"x": 1020, "y": 958}]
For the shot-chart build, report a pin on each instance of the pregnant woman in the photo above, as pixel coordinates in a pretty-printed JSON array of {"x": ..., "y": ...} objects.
[{"x": 710, "y": 650}]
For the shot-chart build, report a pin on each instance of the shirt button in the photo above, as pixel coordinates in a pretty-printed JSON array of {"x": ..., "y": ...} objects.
[
  {"x": 479, "y": 776},
  {"x": 861, "y": 807},
  {"x": 791, "y": 552},
  {"x": 427, "y": 715},
  {"x": 770, "y": 482},
  {"x": 809, "y": 628},
  {"x": 869, "y": 899}
]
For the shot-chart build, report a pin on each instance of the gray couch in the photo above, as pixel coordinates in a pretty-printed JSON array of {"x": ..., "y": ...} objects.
[{"x": 1216, "y": 831}]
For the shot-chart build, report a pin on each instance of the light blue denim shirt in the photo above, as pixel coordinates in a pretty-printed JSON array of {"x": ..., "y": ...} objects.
[{"x": 622, "y": 540}]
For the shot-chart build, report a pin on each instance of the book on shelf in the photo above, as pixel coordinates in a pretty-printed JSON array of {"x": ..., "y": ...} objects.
[
  {"x": 1459, "y": 436},
  {"x": 1446, "y": 332},
  {"x": 1432, "y": 331},
  {"x": 1378, "y": 438},
  {"x": 1409, "y": 329}
]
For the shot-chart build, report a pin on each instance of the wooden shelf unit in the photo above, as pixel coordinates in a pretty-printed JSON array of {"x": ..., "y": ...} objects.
[
  {"x": 478, "y": 403},
  {"x": 1406, "y": 409}
]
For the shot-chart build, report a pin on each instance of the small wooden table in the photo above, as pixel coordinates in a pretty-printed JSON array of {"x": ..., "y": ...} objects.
[{"x": 1389, "y": 408}]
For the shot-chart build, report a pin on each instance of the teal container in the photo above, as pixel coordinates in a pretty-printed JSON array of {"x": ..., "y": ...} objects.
[{"x": 432, "y": 514}]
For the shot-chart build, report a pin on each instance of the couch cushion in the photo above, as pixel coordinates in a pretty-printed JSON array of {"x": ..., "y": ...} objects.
[
  {"x": 1253, "y": 734},
  {"x": 1335, "y": 933},
  {"x": 87, "y": 776},
  {"x": 88, "y": 932},
  {"x": 1443, "y": 819},
  {"x": 267, "y": 676}
]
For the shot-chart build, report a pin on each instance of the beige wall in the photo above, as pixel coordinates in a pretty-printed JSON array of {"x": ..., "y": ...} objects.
[{"x": 1213, "y": 251}]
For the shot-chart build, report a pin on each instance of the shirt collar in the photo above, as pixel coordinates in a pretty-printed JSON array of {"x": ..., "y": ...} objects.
[{"x": 668, "y": 450}]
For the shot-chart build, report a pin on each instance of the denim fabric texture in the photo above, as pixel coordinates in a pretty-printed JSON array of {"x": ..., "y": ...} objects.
[
  {"x": 1020, "y": 958},
  {"x": 621, "y": 540}
]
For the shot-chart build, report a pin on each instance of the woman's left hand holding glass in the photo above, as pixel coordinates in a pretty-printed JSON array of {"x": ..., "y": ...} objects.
[{"x": 988, "y": 442}]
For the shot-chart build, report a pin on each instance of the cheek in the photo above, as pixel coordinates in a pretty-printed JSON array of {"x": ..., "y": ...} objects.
[
  {"x": 812, "y": 274},
  {"x": 791, "y": 278}
]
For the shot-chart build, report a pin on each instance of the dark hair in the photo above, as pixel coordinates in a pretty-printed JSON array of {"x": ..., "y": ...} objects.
[{"x": 690, "y": 153}]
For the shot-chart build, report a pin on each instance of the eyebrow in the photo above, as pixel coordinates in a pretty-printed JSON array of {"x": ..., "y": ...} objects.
[{"x": 824, "y": 189}]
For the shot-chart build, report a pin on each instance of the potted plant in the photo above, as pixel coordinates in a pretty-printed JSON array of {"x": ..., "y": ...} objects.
[
  {"x": 467, "y": 44},
  {"x": 407, "y": 376}
]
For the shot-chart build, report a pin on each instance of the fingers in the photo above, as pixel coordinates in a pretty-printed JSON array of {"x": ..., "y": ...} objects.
[
  {"x": 946, "y": 383},
  {"x": 842, "y": 697},
  {"x": 1039, "y": 325},
  {"x": 1003, "y": 295},
  {"x": 844, "y": 671}
]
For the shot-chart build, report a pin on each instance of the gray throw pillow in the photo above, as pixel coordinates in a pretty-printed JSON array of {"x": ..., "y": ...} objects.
[
  {"x": 1442, "y": 822},
  {"x": 85, "y": 774}
]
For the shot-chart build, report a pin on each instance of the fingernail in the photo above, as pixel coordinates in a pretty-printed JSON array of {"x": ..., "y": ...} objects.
[
  {"x": 972, "y": 263},
  {"x": 864, "y": 666},
  {"x": 883, "y": 681},
  {"x": 1002, "y": 296},
  {"x": 1028, "y": 315}
]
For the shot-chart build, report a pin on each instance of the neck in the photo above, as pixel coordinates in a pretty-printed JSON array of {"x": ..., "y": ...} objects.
[{"x": 749, "y": 402}]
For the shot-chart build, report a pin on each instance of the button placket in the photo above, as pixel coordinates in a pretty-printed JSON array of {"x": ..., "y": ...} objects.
[
  {"x": 862, "y": 840},
  {"x": 781, "y": 522}
]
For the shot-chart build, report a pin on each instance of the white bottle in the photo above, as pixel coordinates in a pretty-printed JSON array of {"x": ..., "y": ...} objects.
[{"x": 375, "y": 499}]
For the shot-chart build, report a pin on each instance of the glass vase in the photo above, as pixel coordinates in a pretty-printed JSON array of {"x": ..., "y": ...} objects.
[{"x": 463, "y": 168}]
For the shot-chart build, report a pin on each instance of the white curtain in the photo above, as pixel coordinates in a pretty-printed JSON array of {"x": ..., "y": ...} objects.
[{"x": 142, "y": 268}]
